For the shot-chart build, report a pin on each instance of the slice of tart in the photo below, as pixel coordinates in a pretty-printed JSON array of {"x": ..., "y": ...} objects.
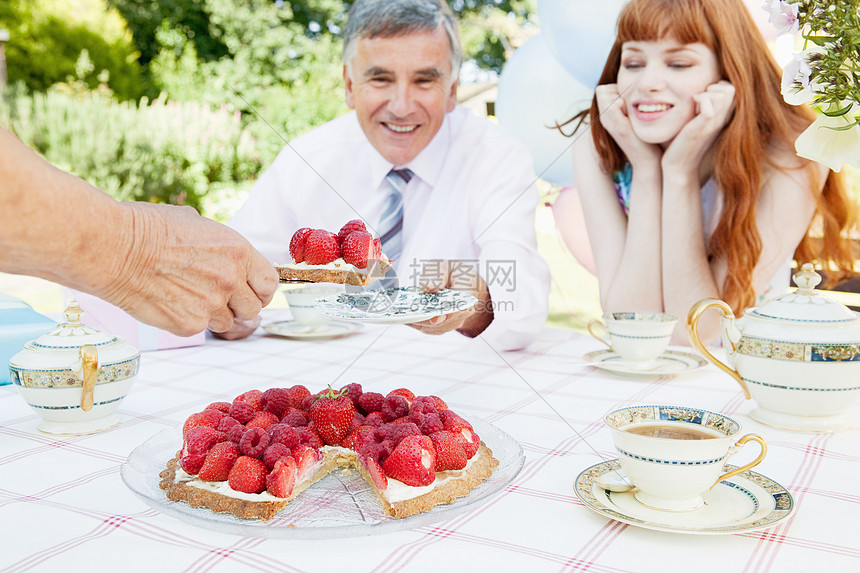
[
  {"x": 253, "y": 456},
  {"x": 352, "y": 256}
]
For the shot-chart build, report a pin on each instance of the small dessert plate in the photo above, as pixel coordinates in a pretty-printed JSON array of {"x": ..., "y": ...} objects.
[
  {"x": 746, "y": 502},
  {"x": 298, "y": 331},
  {"x": 670, "y": 362},
  {"x": 403, "y": 305}
]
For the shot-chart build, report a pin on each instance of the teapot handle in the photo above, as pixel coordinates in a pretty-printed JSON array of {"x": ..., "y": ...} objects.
[
  {"x": 90, "y": 362},
  {"x": 692, "y": 323}
]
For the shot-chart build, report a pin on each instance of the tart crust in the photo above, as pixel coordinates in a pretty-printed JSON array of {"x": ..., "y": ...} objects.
[
  {"x": 454, "y": 487},
  {"x": 352, "y": 276}
]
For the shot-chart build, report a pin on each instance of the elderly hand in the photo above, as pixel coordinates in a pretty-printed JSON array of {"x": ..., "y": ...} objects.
[
  {"x": 184, "y": 273},
  {"x": 459, "y": 276}
]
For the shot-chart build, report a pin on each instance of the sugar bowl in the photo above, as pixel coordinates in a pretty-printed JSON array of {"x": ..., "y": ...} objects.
[
  {"x": 75, "y": 376},
  {"x": 797, "y": 356}
]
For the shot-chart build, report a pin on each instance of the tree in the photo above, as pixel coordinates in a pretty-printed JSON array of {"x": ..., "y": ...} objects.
[{"x": 50, "y": 39}]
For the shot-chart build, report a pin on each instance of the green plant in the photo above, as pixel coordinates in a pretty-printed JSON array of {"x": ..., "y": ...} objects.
[
  {"x": 48, "y": 38},
  {"x": 158, "y": 151},
  {"x": 826, "y": 74}
]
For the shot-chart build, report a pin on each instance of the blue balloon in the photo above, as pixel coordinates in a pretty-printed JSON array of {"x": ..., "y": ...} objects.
[
  {"x": 580, "y": 34},
  {"x": 535, "y": 93}
]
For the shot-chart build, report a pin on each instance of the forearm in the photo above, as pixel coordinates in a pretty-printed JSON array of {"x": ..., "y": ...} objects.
[
  {"x": 687, "y": 273},
  {"x": 55, "y": 225},
  {"x": 636, "y": 282}
]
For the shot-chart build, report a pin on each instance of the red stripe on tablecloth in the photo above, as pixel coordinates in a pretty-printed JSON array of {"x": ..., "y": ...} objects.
[
  {"x": 240, "y": 552},
  {"x": 765, "y": 552},
  {"x": 734, "y": 403},
  {"x": 541, "y": 494},
  {"x": 834, "y": 495},
  {"x": 398, "y": 563},
  {"x": 47, "y": 443},
  {"x": 58, "y": 488},
  {"x": 817, "y": 451},
  {"x": 104, "y": 528},
  {"x": 594, "y": 547},
  {"x": 827, "y": 548}
]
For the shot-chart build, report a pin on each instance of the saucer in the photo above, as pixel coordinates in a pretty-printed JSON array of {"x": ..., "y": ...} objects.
[
  {"x": 403, "y": 305},
  {"x": 745, "y": 502},
  {"x": 670, "y": 362},
  {"x": 298, "y": 331}
]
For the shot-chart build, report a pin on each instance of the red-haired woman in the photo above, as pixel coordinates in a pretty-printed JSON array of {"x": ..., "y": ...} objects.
[{"x": 689, "y": 180}]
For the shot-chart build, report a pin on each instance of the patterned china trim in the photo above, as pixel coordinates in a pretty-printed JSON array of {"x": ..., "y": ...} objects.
[
  {"x": 616, "y": 335},
  {"x": 800, "y": 388},
  {"x": 798, "y": 351},
  {"x": 640, "y": 414},
  {"x": 66, "y": 378},
  {"x": 753, "y": 499},
  {"x": 671, "y": 462},
  {"x": 810, "y": 320},
  {"x": 74, "y": 406},
  {"x": 73, "y": 346}
]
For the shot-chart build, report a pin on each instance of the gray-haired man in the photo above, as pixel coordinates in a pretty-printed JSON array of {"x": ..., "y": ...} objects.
[{"x": 466, "y": 187}]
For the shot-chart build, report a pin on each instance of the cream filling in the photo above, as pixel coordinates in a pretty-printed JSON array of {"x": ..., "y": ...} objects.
[
  {"x": 223, "y": 487},
  {"x": 335, "y": 265},
  {"x": 396, "y": 491},
  {"x": 399, "y": 491}
]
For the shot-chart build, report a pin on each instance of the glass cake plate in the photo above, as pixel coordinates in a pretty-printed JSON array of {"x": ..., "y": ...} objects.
[{"x": 341, "y": 504}]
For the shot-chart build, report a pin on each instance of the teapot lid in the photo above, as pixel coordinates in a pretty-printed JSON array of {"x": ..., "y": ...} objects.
[
  {"x": 72, "y": 334},
  {"x": 806, "y": 304}
]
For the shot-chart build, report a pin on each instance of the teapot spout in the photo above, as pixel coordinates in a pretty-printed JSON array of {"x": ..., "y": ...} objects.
[{"x": 692, "y": 330}]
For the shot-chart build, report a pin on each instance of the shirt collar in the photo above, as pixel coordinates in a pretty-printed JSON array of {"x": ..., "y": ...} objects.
[{"x": 427, "y": 165}]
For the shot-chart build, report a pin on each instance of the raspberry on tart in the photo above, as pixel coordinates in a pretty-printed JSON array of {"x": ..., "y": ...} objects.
[
  {"x": 254, "y": 469},
  {"x": 351, "y": 256}
]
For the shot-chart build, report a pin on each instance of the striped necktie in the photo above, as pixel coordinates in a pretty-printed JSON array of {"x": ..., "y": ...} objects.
[{"x": 390, "y": 226}]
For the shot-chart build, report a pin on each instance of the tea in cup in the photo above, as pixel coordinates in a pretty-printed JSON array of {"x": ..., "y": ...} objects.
[
  {"x": 639, "y": 338},
  {"x": 675, "y": 454},
  {"x": 302, "y": 298}
]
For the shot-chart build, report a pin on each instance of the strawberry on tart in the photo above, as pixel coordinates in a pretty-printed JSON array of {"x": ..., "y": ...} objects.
[
  {"x": 352, "y": 256},
  {"x": 253, "y": 456}
]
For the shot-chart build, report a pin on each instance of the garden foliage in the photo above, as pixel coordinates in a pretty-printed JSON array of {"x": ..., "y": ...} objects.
[
  {"x": 158, "y": 151},
  {"x": 168, "y": 100}
]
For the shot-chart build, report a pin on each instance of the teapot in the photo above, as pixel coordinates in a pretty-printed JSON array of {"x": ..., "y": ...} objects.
[
  {"x": 75, "y": 376},
  {"x": 797, "y": 356}
]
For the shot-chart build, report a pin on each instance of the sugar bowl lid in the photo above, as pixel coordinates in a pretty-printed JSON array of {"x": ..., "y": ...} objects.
[
  {"x": 72, "y": 334},
  {"x": 806, "y": 305}
]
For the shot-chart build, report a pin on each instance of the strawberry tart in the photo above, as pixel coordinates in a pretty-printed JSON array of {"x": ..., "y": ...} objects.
[
  {"x": 352, "y": 256},
  {"x": 253, "y": 456}
]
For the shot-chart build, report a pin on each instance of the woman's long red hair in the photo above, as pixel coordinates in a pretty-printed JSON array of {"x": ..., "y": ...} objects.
[{"x": 761, "y": 119}]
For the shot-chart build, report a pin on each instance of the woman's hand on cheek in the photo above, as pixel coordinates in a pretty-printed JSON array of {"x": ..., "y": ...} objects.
[
  {"x": 715, "y": 107},
  {"x": 614, "y": 118}
]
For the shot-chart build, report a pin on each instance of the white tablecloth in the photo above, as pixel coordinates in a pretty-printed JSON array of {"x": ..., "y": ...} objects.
[{"x": 63, "y": 505}]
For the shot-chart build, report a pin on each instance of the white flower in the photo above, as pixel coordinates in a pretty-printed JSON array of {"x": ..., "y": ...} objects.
[
  {"x": 783, "y": 16},
  {"x": 796, "y": 86},
  {"x": 828, "y": 146}
]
